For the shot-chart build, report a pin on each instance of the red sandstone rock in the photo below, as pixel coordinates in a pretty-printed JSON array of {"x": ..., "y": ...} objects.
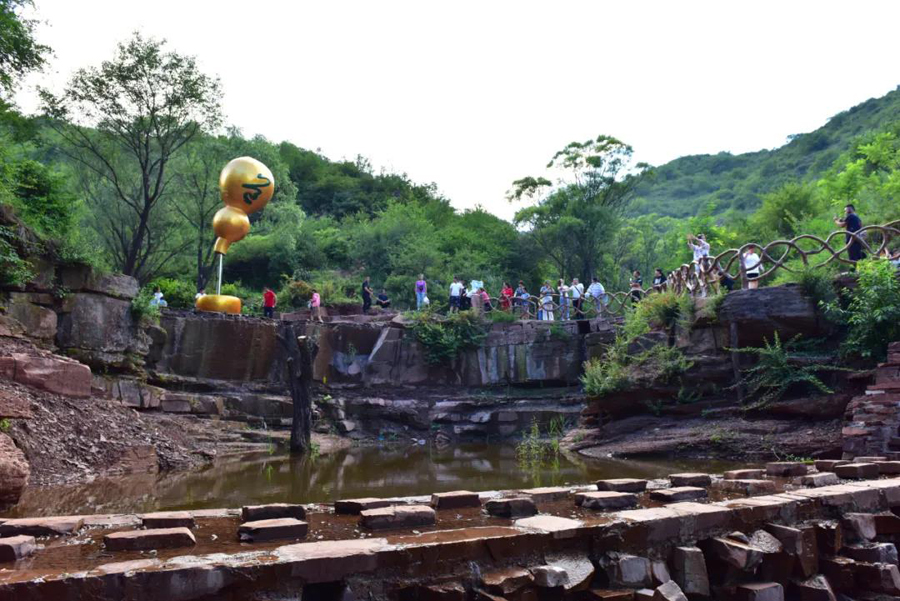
[
  {"x": 820, "y": 479},
  {"x": 167, "y": 519},
  {"x": 644, "y": 594},
  {"x": 740, "y": 555},
  {"x": 14, "y": 548},
  {"x": 14, "y": 471},
  {"x": 750, "y": 474},
  {"x": 812, "y": 589},
  {"x": 273, "y": 529},
  {"x": 690, "y": 479},
  {"x": 680, "y": 493},
  {"x": 41, "y": 526},
  {"x": 879, "y": 577},
  {"x": 145, "y": 540},
  {"x": 578, "y": 568},
  {"x": 828, "y": 465},
  {"x": 786, "y": 468},
  {"x": 888, "y": 467},
  {"x": 53, "y": 374},
  {"x": 605, "y": 500},
  {"x": 354, "y": 506},
  {"x": 762, "y": 591},
  {"x": 123, "y": 567},
  {"x": 506, "y": 581},
  {"x": 610, "y": 595},
  {"x": 829, "y": 537},
  {"x": 627, "y": 571},
  {"x": 549, "y": 576},
  {"x": 689, "y": 571},
  {"x": 272, "y": 511},
  {"x": 559, "y": 527},
  {"x": 670, "y": 591},
  {"x": 859, "y": 527},
  {"x": 747, "y": 487},
  {"x": 622, "y": 485},
  {"x": 397, "y": 516},
  {"x": 455, "y": 499},
  {"x": 449, "y": 591},
  {"x": 872, "y": 552},
  {"x": 799, "y": 543},
  {"x": 887, "y": 524},
  {"x": 840, "y": 573},
  {"x": 546, "y": 493},
  {"x": 872, "y": 459},
  {"x": 859, "y": 471},
  {"x": 511, "y": 507},
  {"x": 14, "y": 406}
]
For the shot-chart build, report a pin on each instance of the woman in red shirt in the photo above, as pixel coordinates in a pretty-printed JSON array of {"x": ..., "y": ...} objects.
[{"x": 506, "y": 295}]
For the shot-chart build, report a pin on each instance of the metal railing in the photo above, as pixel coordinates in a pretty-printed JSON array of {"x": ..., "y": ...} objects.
[{"x": 708, "y": 274}]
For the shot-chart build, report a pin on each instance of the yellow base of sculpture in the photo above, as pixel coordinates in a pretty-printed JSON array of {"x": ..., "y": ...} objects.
[{"x": 219, "y": 303}]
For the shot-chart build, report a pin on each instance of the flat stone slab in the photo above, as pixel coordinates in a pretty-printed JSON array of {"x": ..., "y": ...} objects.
[
  {"x": 41, "y": 526},
  {"x": 168, "y": 519},
  {"x": 786, "y": 468},
  {"x": 559, "y": 527},
  {"x": 273, "y": 511},
  {"x": 511, "y": 507},
  {"x": 690, "y": 479},
  {"x": 746, "y": 486},
  {"x": 746, "y": 474},
  {"x": 546, "y": 493},
  {"x": 820, "y": 479},
  {"x": 146, "y": 540},
  {"x": 606, "y": 500},
  {"x": 506, "y": 581},
  {"x": 274, "y": 529},
  {"x": 455, "y": 499},
  {"x": 858, "y": 471},
  {"x": 397, "y": 516},
  {"x": 888, "y": 467},
  {"x": 679, "y": 493},
  {"x": 828, "y": 465},
  {"x": 760, "y": 591},
  {"x": 14, "y": 548},
  {"x": 622, "y": 485},
  {"x": 869, "y": 459},
  {"x": 355, "y": 506}
]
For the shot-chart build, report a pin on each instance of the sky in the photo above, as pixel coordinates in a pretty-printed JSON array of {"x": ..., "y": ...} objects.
[{"x": 473, "y": 95}]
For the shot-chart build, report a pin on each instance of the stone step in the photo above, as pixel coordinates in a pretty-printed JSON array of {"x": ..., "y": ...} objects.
[
  {"x": 690, "y": 479},
  {"x": 888, "y": 387},
  {"x": 397, "y": 516},
  {"x": 274, "y": 529},
  {"x": 273, "y": 511},
  {"x": 622, "y": 485},
  {"x": 511, "y": 507},
  {"x": 455, "y": 499},
  {"x": 146, "y": 540},
  {"x": 605, "y": 500},
  {"x": 679, "y": 493},
  {"x": 862, "y": 471},
  {"x": 14, "y": 548},
  {"x": 167, "y": 519}
]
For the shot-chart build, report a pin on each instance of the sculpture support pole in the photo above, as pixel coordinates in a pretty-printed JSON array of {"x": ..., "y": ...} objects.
[{"x": 219, "y": 281}]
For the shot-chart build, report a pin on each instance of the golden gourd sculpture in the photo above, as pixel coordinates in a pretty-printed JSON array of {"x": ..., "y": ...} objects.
[{"x": 246, "y": 186}]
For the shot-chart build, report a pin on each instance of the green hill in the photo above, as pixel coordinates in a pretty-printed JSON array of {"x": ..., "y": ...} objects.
[{"x": 686, "y": 185}]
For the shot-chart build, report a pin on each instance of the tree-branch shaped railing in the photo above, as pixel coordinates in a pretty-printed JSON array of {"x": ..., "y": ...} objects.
[{"x": 706, "y": 274}]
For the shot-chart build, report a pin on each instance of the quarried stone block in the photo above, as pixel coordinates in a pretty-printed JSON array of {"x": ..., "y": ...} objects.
[
  {"x": 606, "y": 500},
  {"x": 511, "y": 507},
  {"x": 41, "y": 526},
  {"x": 679, "y": 493},
  {"x": 747, "y": 474},
  {"x": 819, "y": 479},
  {"x": 689, "y": 571},
  {"x": 145, "y": 540},
  {"x": 760, "y": 591},
  {"x": 747, "y": 487},
  {"x": 690, "y": 479},
  {"x": 670, "y": 591},
  {"x": 272, "y": 511},
  {"x": 167, "y": 519},
  {"x": 872, "y": 552},
  {"x": 13, "y": 548},
  {"x": 273, "y": 529},
  {"x": 828, "y": 465},
  {"x": 455, "y": 500},
  {"x": 786, "y": 468},
  {"x": 397, "y": 516},
  {"x": 355, "y": 506},
  {"x": 622, "y": 485},
  {"x": 857, "y": 471},
  {"x": 506, "y": 581},
  {"x": 546, "y": 493}
]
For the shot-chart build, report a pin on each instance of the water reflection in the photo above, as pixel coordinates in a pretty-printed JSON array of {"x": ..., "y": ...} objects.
[{"x": 356, "y": 472}]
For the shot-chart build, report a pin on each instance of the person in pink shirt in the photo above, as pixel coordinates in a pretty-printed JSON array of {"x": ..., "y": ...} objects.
[{"x": 315, "y": 303}]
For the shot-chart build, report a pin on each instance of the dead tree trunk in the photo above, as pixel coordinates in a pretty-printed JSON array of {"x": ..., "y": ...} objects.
[{"x": 299, "y": 353}]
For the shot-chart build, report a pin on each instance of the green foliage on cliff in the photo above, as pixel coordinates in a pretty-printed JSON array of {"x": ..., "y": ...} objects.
[
  {"x": 870, "y": 311},
  {"x": 445, "y": 337}
]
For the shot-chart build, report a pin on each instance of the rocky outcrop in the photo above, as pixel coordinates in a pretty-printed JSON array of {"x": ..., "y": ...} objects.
[
  {"x": 217, "y": 346},
  {"x": 872, "y": 425},
  {"x": 48, "y": 372},
  {"x": 14, "y": 471},
  {"x": 758, "y": 314}
]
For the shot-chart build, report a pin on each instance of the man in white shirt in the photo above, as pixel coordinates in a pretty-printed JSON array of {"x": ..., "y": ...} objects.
[
  {"x": 577, "y": 296},
  {"x": 700, "y": 248},
  {"x": 456, "y": 289},
  {"x": 597, "y": 292}
]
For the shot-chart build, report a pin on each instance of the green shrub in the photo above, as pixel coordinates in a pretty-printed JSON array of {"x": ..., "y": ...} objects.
[
  {"x": 817, "y": 283},
  {"x": 502, "y": 316},
  {"x": 607, "y": 374},
  {"x": 660, "y": 310},
  {"x": 871, "y": 310},
  {"x": 142, "y": 311},
  {"x": 178, "y": 294},
  {"x": 779, "y": 368},
  {"x": 14, "y": 270},
  {"x": 559, "y": 333},
  {"x": 445, "y": 337}
]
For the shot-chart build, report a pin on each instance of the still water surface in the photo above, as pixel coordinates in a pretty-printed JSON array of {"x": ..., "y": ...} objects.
[{"x": 385, "y": 471}]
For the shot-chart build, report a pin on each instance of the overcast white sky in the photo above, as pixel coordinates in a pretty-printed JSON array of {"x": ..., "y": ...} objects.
[{"x": 472, "y": 95}]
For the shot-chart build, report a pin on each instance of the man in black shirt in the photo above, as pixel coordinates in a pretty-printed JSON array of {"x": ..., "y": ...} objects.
[
  {"x": 367, "y": 296},
  {"x": 852, "y": 223},
  {"x": 382, "y": 300}
]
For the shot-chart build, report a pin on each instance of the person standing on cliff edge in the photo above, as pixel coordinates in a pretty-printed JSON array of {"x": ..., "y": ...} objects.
[
  {"x": 269, "y": 302},
  {"x": 367, "y": 296},
  {"x": 852, "y": 223}
]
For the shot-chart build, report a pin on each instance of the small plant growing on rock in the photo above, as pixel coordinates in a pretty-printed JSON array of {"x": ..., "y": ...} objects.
[
  {"x": 5, "y": 424},
  {"x": 559, "y": 333},
  {"x": 777, "y": 370},
  {"x": 445, "y": 337}
]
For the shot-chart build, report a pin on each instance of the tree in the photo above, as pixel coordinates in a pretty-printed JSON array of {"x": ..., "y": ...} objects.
[
  {"x": 124, "y": 122},
  {"x": 19, "y": 52},
  {"x": 573, "y": 221}
]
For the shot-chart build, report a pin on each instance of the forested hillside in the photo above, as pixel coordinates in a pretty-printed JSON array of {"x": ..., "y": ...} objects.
[{"x": 687, "y": 185}]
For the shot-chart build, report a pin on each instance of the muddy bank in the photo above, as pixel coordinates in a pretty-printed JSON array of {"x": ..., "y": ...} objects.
[{"x": 729, "y": 438}]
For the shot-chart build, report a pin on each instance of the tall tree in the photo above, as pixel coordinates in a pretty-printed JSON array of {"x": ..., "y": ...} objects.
[
  {"x": 574, "y": 219},
  {"x": 19, "y": 51},
  {"x": 124, "y": 122}
]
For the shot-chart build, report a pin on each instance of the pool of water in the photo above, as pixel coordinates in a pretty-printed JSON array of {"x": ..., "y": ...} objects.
[{"x": 385, "y": 471}]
